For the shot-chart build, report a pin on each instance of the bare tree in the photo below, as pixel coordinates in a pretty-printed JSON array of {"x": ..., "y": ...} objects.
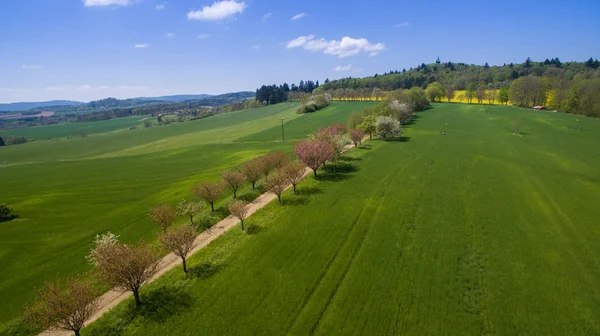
[
  {"x": 294, "y": 171},
  {"x": 252, "y": 171},
  {"x": 239, "y": 209},
  {"x": 209, "y": 192},
  {"x": 480, "y": 94},
  {"x": 63, "y": 307},
  {"x": 163, "y": 215},
  {"x": 356, "y": 136},
  {"x": 125, "y": 267},
  {"x": 276, "y": 183},
  {"x": 233, "y": 180},
  {"x": 450, "y": 92},
  {"x": 190, "y": 209},
  {"x": 278, "y": 159},
  {"x": 179, "y": 239}
]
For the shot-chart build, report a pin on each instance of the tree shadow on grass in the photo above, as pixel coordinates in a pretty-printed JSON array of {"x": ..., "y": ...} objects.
[
  {"x": 158, "y": 306},
  {"x": 346, "y": 158},
  {"x": 397, "y": 139},
  {"x": 254, "y": 229},
  {"x": 337, "y": 171},
  {"x": 250, "y": 195},
  {"x": 204, "y": 270},
  {"x": 412, "y": 120},
  {"x": 365, "y": 147}
]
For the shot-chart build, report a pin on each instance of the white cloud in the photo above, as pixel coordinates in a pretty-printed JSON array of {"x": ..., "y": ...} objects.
[
  {"x": 95, "y": 3},
  {"x": 31, "y": 66},
  {"x": 402, "y": 24},
  {"x": 299, "y": 42},
  {"x": 266, "y": 17},
  {"x": 170, "y": 35},
  {"x": 343, "y": 68},
  {"x": 347, "y": 46},
  {"x": 203, "y": 36},
  {"x": 217, "y": 11},
  {"x": 141, "y": 46},
  {"x": 298, "y": 16},
  {"x": 159, "y": 7},
  {"x": 85, "y": 87},
  {"x": 256, "y": 46}
]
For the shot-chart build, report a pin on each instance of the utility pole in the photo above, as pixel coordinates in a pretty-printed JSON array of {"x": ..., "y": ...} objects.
[{"x": 282, "y": 134}]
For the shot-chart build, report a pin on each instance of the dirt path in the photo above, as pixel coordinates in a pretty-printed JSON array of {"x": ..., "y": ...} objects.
[{"x": 113, "y": 297}]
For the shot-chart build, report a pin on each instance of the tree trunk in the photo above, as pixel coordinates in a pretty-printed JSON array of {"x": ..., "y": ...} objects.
[
  {"x": 253, "y": 183},
  {"x": 371, "y": 135},
  {"x": 294, "y": 188},
  {"x": 184, "y": 265},
  {"x": 136, "y": 295},
  {"x": 212, "y": 206},
  {"x": 235, "y": 194},
  {"x": 76, "y": 332},
  {"x": 279, "y": 197},
  {"x": 192, "y": 220},
  {"x": 315, "y": 172},
  {"x": 242, "y": 224}
]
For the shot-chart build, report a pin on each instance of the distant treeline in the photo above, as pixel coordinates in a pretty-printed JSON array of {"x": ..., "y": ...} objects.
[
  {"x": 273, "y": 94},
  {"x": 572, "y": 87},
  {"x": 197, "y": 108}
]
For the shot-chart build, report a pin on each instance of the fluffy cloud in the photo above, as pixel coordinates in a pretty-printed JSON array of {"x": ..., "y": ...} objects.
[
  {"x": 266, "y": 17},
  {"x": 159, "y": 7},
  {"x": 402, "y": 24},
  {"x": 256, "y": 46},
  {"x": 343, "y": 68},
  {"x": 141, "y": 46},
  {"x": 217, "y": 11},
  {"x": 298, "y": 16},
  {"x": 347, "y": 46},
  {"x": 170, "y": 35},
  {"x": 203, "y": 36},
  {"x": 31, "y": 66},
  {"x": 95, "y": 3}
]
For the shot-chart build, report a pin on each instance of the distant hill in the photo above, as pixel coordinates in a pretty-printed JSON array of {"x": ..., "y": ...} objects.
[
  {"x": 23, "y": 106},
  {"x": 222, "y": 99},
  {"x": 178, "y": 98}
]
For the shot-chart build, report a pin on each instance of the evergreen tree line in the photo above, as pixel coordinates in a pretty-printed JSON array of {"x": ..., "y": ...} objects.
[{"x": 273, "y": 94}]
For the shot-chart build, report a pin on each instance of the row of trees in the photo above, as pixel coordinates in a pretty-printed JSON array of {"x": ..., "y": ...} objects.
[
  {"x": 129, "y": 267},
  {"x": 572, "y": 87}
]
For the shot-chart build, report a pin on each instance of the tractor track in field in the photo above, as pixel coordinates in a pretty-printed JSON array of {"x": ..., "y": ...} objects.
[{"x": 113, "y": 297}]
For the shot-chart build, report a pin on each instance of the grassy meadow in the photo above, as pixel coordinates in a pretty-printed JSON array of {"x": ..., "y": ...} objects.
[
  {"x": 76, "y": 129},
  {"x": 69, "y": 190},
  {"x": 480, "y": 231}
]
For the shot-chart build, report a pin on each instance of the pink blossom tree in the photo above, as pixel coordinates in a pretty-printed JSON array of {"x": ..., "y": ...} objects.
[{"x": 314, "y": 153}]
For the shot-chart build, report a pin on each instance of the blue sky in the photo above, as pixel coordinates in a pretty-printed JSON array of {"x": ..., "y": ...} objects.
[{"x": 92, "y": 49}]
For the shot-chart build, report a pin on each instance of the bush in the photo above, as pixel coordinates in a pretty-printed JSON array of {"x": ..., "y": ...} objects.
[
  {"x": 6, "y": 213},
  {"x": 315, "y": 103},
  {"x": 387, "y": 127}
]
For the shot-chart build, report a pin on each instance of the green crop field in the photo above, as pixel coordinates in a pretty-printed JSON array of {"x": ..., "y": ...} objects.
[
  {"x": 75, "y": 128},
  {"x": 477, "y": 232},
  {"x": 69, "y": 190}
]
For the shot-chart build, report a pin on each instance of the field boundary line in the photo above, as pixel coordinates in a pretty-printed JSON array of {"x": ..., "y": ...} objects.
[{"x": 114, "y": 297}]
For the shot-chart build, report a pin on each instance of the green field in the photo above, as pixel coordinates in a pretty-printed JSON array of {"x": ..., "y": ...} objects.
[
  {"x": 477, "y": 232},
  {"x": 69, "y": 190},
  {"x": 75, "y": 129}
]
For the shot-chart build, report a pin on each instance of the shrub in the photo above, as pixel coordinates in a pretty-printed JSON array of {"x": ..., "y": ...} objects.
[{"x": 387, "y": 127}]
